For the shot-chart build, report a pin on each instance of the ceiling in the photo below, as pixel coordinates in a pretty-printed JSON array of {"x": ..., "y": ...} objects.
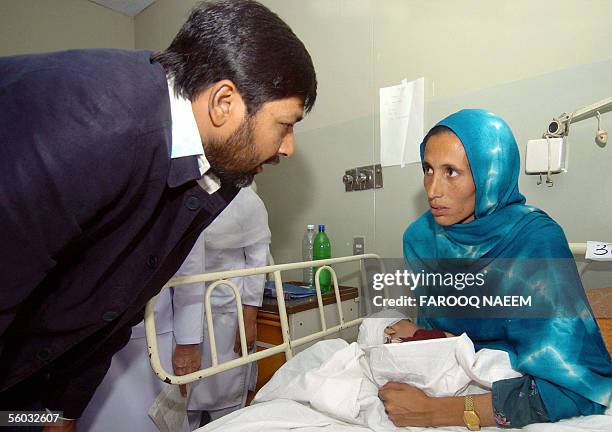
[{"x": 126, "y": 7}]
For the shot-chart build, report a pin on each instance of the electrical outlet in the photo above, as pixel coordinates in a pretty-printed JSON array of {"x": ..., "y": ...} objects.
[
  {"x": 363, "y": 178},
  {"x": 358, "y": 245}
]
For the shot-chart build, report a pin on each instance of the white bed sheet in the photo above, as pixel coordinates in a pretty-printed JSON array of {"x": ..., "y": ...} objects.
[{"x": 286, "y": 415}]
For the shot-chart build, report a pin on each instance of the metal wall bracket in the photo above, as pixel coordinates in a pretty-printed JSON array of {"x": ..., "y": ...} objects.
[{"x": 362, "y": 178}]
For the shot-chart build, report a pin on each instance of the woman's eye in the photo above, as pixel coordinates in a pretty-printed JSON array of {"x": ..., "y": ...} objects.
[
  {"x": 427, "y": 170},
  {"x": 452, "y": 173}
]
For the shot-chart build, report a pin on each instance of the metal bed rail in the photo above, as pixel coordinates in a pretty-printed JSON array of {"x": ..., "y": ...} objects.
[
  {"x": 222, "y": 278},
  {"x": 578, "y": 248}
]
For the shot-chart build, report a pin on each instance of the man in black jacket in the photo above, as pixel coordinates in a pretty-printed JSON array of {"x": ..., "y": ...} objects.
[{"x": 111, "y": 164}]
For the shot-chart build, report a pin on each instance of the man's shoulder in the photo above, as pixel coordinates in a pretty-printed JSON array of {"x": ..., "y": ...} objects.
[
  {"x": 125, "y": 80},
  {"x": 102, "y": 63}
]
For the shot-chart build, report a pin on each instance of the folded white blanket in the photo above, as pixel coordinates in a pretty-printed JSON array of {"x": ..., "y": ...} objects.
[
  {"x": 440, "y": 367},
  {"x": 372, "y": 329},
  {"x": 328, "y": 376}
]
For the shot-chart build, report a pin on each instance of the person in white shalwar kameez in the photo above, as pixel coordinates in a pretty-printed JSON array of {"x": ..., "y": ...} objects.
[
  {"x": 238, "y": 239},
  {"x": 122, "y": 401}
]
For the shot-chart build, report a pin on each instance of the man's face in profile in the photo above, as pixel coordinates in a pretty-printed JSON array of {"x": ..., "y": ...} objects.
[{"x": 261, "y": 139}]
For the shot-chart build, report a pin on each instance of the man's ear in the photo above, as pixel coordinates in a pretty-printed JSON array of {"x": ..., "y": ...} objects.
[{"x": 225, "y": 105}]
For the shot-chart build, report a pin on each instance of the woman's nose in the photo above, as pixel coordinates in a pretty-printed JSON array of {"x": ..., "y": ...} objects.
[{"x": 434, "y": 187}]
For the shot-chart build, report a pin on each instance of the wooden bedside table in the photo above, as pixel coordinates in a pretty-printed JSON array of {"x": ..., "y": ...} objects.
[{"x": 601, "y": 303}]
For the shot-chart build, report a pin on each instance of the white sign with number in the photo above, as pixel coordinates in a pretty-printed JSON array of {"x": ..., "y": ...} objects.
[{"x": 599, "y": 251}]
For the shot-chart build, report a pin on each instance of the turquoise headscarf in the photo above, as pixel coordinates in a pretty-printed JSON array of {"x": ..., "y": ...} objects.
[{"x": 565, "y": 353}]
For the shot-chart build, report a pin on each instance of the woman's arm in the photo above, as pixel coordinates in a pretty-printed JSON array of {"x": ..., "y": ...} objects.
[{"x": 408, "y": 406}]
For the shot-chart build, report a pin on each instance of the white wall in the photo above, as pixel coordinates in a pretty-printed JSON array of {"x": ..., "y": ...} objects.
[
  {"x": 155, "y": 27},
  {"x": 29, "y": 26},
  {"x": 472, "y": 44}
]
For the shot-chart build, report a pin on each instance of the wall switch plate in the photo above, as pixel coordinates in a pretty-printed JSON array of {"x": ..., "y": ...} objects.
[
  {"x": 362, "y": 178},
  {"x": 358, "y": 245}
]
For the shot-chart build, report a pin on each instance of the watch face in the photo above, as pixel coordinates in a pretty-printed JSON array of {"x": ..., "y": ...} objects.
[{"x": 471, "y": 419}]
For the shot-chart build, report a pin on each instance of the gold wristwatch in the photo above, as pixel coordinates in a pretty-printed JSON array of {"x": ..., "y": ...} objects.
[{"x": 470, "y": 418}]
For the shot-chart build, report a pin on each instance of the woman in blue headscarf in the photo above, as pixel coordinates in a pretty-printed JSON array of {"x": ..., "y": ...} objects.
[{"x": 479, "y": 221}]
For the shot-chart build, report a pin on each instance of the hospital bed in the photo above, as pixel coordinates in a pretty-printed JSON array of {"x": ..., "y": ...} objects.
[
  {"x": 284, "y": 414},
  {"x": 288, "y": 345}
]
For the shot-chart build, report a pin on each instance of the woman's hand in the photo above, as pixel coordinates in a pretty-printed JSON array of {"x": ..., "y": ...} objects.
[
  {"x": 406, "y": 405},
  {"x": 402, "y": 329}
]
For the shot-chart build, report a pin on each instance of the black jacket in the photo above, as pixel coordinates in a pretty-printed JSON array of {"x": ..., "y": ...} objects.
[{"x": 94, "y": 216}]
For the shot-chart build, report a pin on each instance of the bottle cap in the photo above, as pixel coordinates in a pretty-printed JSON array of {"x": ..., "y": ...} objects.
[
  {"x": 321, "y": 228},
  {"x": 310, "y": 227}
]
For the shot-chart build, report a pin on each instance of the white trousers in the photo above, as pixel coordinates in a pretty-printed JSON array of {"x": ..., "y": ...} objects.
[{"x": 227, "y": 391}]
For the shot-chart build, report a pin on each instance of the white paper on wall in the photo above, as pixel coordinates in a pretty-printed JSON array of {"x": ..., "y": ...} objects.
[
  {"x": 401, "y": 122},
  {"x": 414, "y": 134}
]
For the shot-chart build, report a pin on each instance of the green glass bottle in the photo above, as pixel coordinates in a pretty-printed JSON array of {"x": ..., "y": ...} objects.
[{"x": 321, "y": 249}]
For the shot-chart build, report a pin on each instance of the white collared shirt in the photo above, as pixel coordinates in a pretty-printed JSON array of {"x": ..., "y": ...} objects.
[{"x": 186, "y": 139}]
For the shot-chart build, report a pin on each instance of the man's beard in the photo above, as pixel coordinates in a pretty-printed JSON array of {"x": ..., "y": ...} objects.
[{"x": 234, "y": 160}]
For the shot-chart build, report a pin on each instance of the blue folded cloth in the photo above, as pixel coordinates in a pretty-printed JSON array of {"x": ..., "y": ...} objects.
[{"x": 291, "y": 291}]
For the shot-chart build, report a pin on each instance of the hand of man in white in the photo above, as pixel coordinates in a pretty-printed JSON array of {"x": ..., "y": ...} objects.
[
  {"x": 186, "y": 359},
  {"x": 250, "y": 328}
]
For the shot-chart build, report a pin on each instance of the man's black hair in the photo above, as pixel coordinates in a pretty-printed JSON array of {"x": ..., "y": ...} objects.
[{"x": 245, "y": 42}]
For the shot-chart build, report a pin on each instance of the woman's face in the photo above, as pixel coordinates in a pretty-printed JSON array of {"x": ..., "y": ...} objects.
[{"x": 448, "y": 180}]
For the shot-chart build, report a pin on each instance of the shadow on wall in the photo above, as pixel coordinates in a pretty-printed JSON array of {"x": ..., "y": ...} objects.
[{"x": 287, "y": 189}]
